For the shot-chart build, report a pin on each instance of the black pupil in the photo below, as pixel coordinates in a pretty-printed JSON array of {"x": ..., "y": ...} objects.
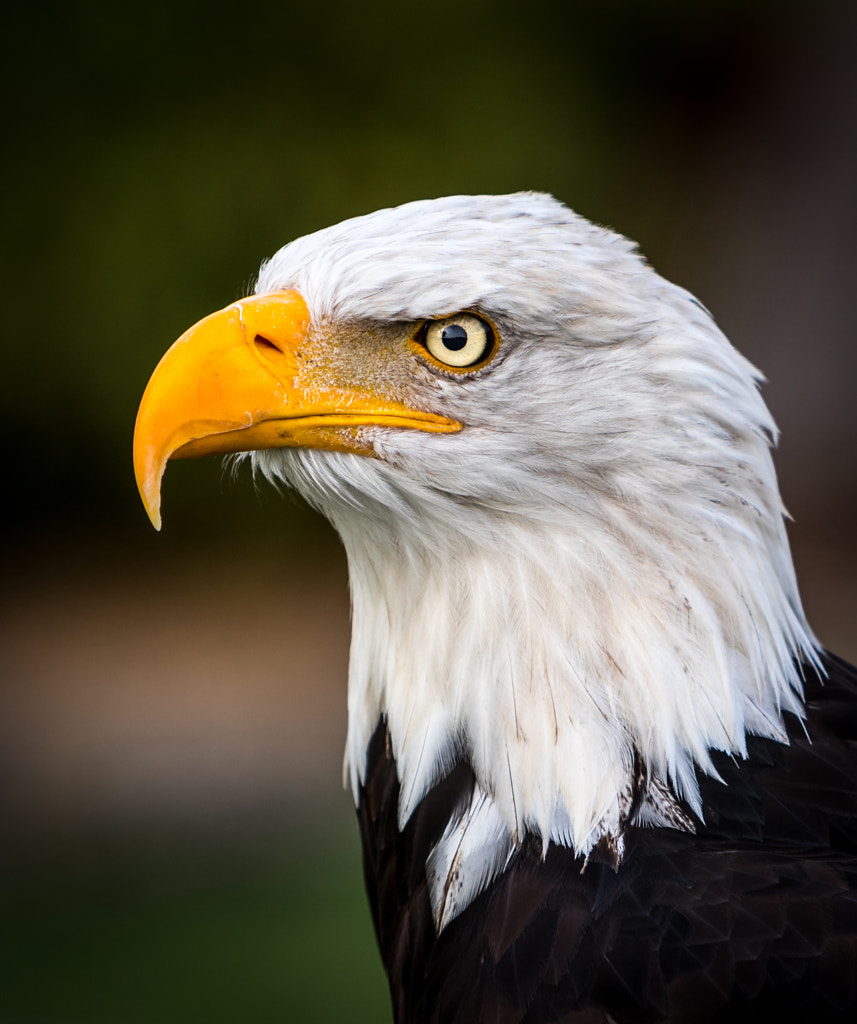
[{"x": 454, "y": 337}]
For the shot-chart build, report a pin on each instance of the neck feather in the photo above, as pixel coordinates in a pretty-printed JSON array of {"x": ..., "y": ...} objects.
[{"x": 557, "y": 662}]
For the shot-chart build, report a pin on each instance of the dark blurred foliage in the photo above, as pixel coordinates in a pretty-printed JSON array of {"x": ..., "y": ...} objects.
[{"x": 155, "y": 154}]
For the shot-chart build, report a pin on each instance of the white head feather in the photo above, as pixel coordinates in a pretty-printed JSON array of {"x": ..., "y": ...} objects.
[{"x": 596, "y": 566}]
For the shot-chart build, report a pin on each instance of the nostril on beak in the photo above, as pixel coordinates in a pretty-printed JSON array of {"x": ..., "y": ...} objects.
[{"x": 266, "y": 346}]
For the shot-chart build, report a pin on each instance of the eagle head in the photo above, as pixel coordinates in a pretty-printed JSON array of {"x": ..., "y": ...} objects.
[{"x": 552, "y": 476}]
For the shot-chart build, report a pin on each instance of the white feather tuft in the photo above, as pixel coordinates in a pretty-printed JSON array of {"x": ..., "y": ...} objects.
[{"x": 474, "y": 848}]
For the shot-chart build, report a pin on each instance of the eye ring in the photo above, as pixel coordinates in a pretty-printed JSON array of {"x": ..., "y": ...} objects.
[{"x": 460, "y": 341}]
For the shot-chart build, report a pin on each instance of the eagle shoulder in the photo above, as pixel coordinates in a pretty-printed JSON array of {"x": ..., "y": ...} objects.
[{"x": 754, "y": 914}]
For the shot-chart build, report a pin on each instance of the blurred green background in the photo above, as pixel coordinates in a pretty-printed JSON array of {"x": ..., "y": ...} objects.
[{"x": 176, "y": 844}]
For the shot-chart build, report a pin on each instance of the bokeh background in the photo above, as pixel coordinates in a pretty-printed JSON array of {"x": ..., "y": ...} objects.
[{"x": 176, "y": 844}]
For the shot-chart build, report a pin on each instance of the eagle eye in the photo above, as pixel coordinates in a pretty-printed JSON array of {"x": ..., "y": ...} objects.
[{"x": 460, "y": 340}]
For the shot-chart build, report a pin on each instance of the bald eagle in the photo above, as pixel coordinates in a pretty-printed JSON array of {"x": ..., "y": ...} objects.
[{"x": 603, "y": 770}]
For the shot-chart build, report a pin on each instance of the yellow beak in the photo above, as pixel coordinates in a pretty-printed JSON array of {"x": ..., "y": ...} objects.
[{"x": 239, "y": 381}]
